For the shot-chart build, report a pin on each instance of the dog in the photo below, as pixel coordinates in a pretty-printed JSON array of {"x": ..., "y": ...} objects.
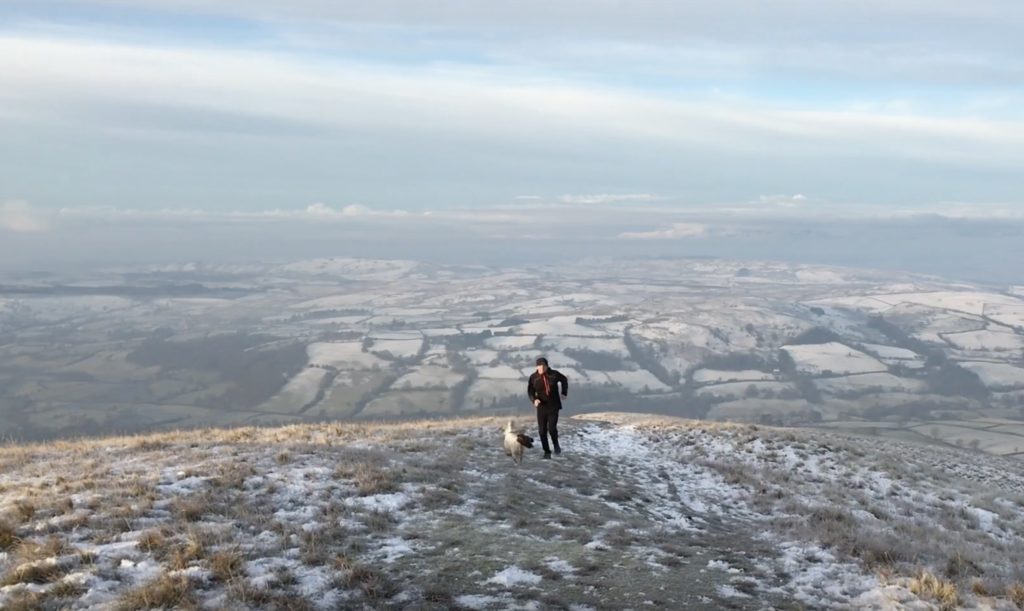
[{"x": 516, "y": 442}]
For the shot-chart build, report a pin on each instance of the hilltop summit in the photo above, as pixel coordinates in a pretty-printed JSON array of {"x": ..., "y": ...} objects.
[{"x": 639, "y": 511}]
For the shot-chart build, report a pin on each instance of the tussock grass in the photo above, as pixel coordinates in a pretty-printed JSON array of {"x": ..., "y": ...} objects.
[
  {"x": 191, "y": 508},
  {"x": 154, "y": 541},
  {"x": 226, "y": 565},
  {"x": 960, "y": 567},
  {"x": 37, "y": 572},
  {"x": 371, "y": 480},
  {"x": 232, "y": 475},
  {"x": 8, "y": 536},
  {"x": 40, "y": 562},
  {"x": 182, "y": 556},
  {"x": 378, "y": 520},
  {"x": 32, "y": 551},
  {"x": 929, "y": 587},
  {"x": 1015, "y": 592},
  {"x": 66, "y": 589},
  {"x": 165, "y": 592},
  {"x": 374, "y": 584},
  {"x": 24, "y": 601},
  {"x": 24, "y": 510}
]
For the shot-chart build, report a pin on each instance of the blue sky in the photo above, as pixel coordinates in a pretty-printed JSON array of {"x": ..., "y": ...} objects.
[{"x": 658, "y": 113}]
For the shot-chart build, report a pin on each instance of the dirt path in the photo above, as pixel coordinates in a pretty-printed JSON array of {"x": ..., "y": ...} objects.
[{"x": 608, "y": 525}]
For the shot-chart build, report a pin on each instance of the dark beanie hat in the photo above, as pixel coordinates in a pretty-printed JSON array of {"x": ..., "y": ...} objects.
[{"x": 542, "y": 361}]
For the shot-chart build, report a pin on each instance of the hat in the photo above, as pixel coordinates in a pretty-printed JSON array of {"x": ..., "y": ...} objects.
[{"x": 542, "y": 361}]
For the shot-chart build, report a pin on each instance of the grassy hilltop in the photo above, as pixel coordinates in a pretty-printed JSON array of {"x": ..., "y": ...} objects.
[{"x": 639, "y": 511}]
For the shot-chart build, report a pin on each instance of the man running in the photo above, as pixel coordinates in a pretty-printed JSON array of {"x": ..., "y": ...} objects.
[{"x": 543, "y": 391}]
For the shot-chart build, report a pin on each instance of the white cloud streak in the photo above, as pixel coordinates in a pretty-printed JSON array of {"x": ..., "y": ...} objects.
[
  {"x": 675, "y": 232},
  {"x": 19, "y": 217},
  {"x": 90, "y": 84}
]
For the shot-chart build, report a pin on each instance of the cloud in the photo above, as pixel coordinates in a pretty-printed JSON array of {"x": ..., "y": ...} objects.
[
  {"x": 352, "y": 210},
  {"x": 948, "y": 41},
  {"x": 18, "y": 217},
  {"x": 445, "y": 133},
  {"x": 675, "y": 232},
  {"x": 784, "y": 201},
  {"x": 605, "y": 198}
]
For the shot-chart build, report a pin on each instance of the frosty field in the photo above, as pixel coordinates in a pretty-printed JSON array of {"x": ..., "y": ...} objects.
[{"x": 356, "y": 339}]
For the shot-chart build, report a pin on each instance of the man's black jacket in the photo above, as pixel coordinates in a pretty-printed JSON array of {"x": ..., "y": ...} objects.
[{"x": 535, "y": 388}]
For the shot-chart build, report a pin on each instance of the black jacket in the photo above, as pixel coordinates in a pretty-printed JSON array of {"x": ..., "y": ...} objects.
[{"x": 535, "y": 388}]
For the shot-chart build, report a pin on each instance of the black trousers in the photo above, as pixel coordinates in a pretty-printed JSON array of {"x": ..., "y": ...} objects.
[{"x": 547, "y": 422}]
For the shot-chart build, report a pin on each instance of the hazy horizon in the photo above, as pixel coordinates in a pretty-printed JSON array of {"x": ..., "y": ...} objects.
[{"x": 870, "y": 134}]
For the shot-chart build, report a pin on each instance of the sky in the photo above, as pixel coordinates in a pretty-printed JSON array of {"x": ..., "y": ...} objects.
[{"x": 149, "y": 130}]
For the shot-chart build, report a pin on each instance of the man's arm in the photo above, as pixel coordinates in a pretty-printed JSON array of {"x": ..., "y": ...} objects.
[
  {"x": 565, "y": 384},
  {"x": 530, "y": 392}
]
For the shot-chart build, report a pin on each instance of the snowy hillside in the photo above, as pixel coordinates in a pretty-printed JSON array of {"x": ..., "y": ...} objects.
[{"x": 640, "y": 511}]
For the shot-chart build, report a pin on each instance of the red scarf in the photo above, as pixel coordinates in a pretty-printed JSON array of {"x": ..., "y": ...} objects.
[{"x": 547, "y": 385}]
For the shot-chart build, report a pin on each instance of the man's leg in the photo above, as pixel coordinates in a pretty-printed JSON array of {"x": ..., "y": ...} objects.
[
  {"x": 553, "y": 430},
  {"x": 542, "y": 426}
]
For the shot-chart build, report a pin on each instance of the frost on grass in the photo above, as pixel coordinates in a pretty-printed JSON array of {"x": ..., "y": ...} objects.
[{"x": 639, "y": 511}]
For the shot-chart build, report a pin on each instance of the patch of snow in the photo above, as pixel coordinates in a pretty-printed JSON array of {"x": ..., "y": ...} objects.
[
  {"x": 728, "y": 591},
  {"x": 721, "y": 565},
  {"x": 513, "y": 576},
  {"x": 393, "y": 501}
]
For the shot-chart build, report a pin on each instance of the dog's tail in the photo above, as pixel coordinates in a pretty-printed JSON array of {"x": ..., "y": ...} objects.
[
  {"x": 508, "y": 426},
  {"x": 524, "y": 440}
]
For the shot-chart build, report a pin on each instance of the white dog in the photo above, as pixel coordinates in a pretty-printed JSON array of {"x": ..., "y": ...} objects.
[{"x": 516, "y": 442}]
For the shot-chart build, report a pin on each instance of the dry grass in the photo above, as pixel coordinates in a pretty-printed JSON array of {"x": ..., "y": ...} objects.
[
  {"x": 378, "y": 520},
  {"x": 166, "y": 592},
  {"x": 32, "y": 551},
  {"x": 367, "y": 472},
  {"x": 17, "y": 455},
  {"x": 24, "y": 510},
  {"x": 24, "y": 601},
  {"x": 38, "y": 572},
  {"x": 929, "y": 587},
  {"x": 66, "y": 589},
  {"x": 233, "y": 475},
  {"x": 226, "y": 565},
  {"x": 190, "y": 508},
  {"x": 8, "y": 536},
  {"x": 184, "y": 555},
  {"x": 1015, "y": 593},
  {"x": 153, "y": 541},
  {"x": 38, "y": 562},
  {"x": 374, "y": 584}
]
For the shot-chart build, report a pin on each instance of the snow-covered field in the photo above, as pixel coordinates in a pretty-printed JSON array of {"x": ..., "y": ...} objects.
[
  {"x": 342, "y": 355},
  {"x": 987, "y": 341},
  {"x": 511, "y": 342},
  {"x": 429, "y": 376},
  {"x": 611, "y": 345},
  {"x": 996, "y": 375},
  {"x": 299, "y": 391},
  {"x": 641, "y": 381},
  {"x": 639, "y": 511},
  {"x": 894, "y": 354},
  {"x": 740, "y": 389},
  {"x": 967, "y": 302},
  {"x": 654, "y": 328},
  {"x": 884, "y": 381},
  {"x": 713, "y": 376},
  {"x": 398, "y": 348},
  {"x": 832, "y": 356},
  {"x": 993, "y": 438}
]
